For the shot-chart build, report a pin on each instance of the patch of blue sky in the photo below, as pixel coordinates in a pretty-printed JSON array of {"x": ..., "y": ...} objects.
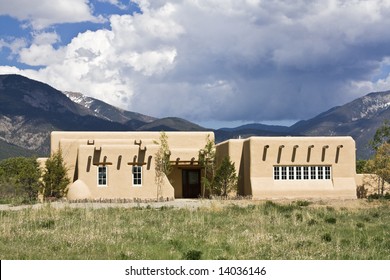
[
  {"x": 12, "y": 28},
  {"x": 106, "y": 9},
  {"x": 68, "y": 31},
  {"x": 383, "y": 72}
]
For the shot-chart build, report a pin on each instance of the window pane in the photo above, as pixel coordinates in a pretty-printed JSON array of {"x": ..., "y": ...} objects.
[
  {"x": 327, "y": 172},
  {"x": 298, "y": 172},
  {"x": 284, "y": 173},
  {"x": 320, "y": 172},
  {"x": 102, "y": 175},
  {"x": 291, "y": 172},
  {"x": 305, "y": 172},
  {"x": 302, "y": 172},
  {"x": 276, "y": 173},
  {"x": 312, "y": 172},
  {"x": 137, "y": 175}
]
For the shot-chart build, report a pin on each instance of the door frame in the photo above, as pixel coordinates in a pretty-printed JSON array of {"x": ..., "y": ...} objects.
[{"x": 188, "y": 190}]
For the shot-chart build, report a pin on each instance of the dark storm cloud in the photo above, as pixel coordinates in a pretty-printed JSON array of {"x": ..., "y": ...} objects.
[{"x": 246, "y": 60}]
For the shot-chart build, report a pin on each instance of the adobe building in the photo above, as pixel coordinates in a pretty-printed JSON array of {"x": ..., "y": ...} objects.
[
  {"x": 121, "y": 165},
  {"x": 293, "y": 167}
]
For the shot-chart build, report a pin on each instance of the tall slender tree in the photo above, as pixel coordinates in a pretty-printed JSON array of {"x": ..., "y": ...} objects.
[
  {"x": 207, "y": 163},
  {"x": 162, "y": 162}
]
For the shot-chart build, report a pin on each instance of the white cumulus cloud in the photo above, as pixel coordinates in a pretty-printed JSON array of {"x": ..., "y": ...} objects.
[
  {"x": 43, "y": 13},
  {"x": 247, "y": 60}
]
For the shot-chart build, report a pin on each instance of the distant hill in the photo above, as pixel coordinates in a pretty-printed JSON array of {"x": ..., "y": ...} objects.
[
  {"x": 359, "y": 119},
  {"x": 259, "y": 126},
  {"x": 8, "y": 150},
  {"x": 171, "y": 124},
  {"x": 102, "y": 110},
  {"x": 248, "y": 130},
  {"x": 30, "y": 110}
]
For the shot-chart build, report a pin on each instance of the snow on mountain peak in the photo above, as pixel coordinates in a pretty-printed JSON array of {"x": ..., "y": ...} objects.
[
  {"x": 79, "y": 98},
  {"x": 372, "y": 104}
]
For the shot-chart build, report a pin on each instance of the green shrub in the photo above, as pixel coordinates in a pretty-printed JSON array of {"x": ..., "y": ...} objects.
[
  {"x": 361, "y": 192},
  {"x": 19, "y": 180},
  {"x": 281, "y": 208},
  {"x": 192, "y": 255},
  {"x": 46, "y": 224},
  {"x": 226, "y": 180},
  {"x": 55, "y": 179},
  {"x": 360, "y": 225},
  {"x": 299, "y": 217},
  {"x": 302, "y": 203},
  {"x": 326, "y": 237},
  {"x": 330, "y": 220}
]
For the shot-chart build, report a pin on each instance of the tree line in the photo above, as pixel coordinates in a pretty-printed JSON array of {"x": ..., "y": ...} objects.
[
  {"x": 23, "y": 180},
  {"x": 379, "y": 164}
]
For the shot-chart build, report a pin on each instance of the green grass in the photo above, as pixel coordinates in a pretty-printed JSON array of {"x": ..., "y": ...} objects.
[{"x": 265, "y": 230}]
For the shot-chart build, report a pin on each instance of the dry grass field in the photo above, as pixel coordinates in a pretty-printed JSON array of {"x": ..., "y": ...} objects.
[{"x": 198, "y": 229}]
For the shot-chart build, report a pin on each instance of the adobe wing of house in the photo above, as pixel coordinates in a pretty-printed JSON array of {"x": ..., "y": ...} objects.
[
  {"x": 120, "y": 165},
  {"x": 289, "y": 167}
]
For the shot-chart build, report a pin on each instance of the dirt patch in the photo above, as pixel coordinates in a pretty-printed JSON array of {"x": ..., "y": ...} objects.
[{"x": 204, "y": 203}]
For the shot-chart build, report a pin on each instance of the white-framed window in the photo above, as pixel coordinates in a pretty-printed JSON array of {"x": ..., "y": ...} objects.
[
  {"x": 276, "y": 173},
  {"x": 137, "y": 175},
  {"x": 291, "y": 173},
  {"x": 327, "y": 172},
  {"x": 313, "y": 173},
  {"x": 302, "y": 172},
  {"x": 102, "y": 176},
  {"x": 284, "y": 172},
  {"x": 320, "y": 172},
  {"x": 306, "y": 172}
]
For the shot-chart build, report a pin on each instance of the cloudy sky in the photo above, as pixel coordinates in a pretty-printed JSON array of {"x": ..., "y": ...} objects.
[{"x": 214, "y": 62}]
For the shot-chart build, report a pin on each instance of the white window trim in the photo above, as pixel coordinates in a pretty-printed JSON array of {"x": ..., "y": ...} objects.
[
  {"x": 98, "y": 183},
  {"x": 308, "y": 169},
  {"x": 132, "y": 173}
]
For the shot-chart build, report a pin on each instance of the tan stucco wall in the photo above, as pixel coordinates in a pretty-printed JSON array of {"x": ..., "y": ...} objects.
[
  {"x": 234, "y": 149},
  {"x": 83, "y": 151},
  {"x": 254, "y": 160},
  {"x": 371, "y": 183},
  {"x": 261, "y": 154}
]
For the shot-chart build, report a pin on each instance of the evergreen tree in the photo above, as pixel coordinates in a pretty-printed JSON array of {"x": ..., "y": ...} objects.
[
  {"x": 226, "y": 180},
  {"x": 20, "y": 177},
  {"x": 55, "y": 179}
]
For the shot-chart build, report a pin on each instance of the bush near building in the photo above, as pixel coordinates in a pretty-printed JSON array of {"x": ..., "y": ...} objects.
[
  {"x": 55, "y": 179},
  {"x": 226, "y": 180},
  {"x": 19, "y": 180}
]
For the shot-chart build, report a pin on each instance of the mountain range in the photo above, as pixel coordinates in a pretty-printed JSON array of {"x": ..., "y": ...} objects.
[{"x": 30, "y": 110}]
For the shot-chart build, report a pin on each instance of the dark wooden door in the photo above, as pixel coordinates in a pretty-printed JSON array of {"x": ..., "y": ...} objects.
[{"x": 191, "y": 183}]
